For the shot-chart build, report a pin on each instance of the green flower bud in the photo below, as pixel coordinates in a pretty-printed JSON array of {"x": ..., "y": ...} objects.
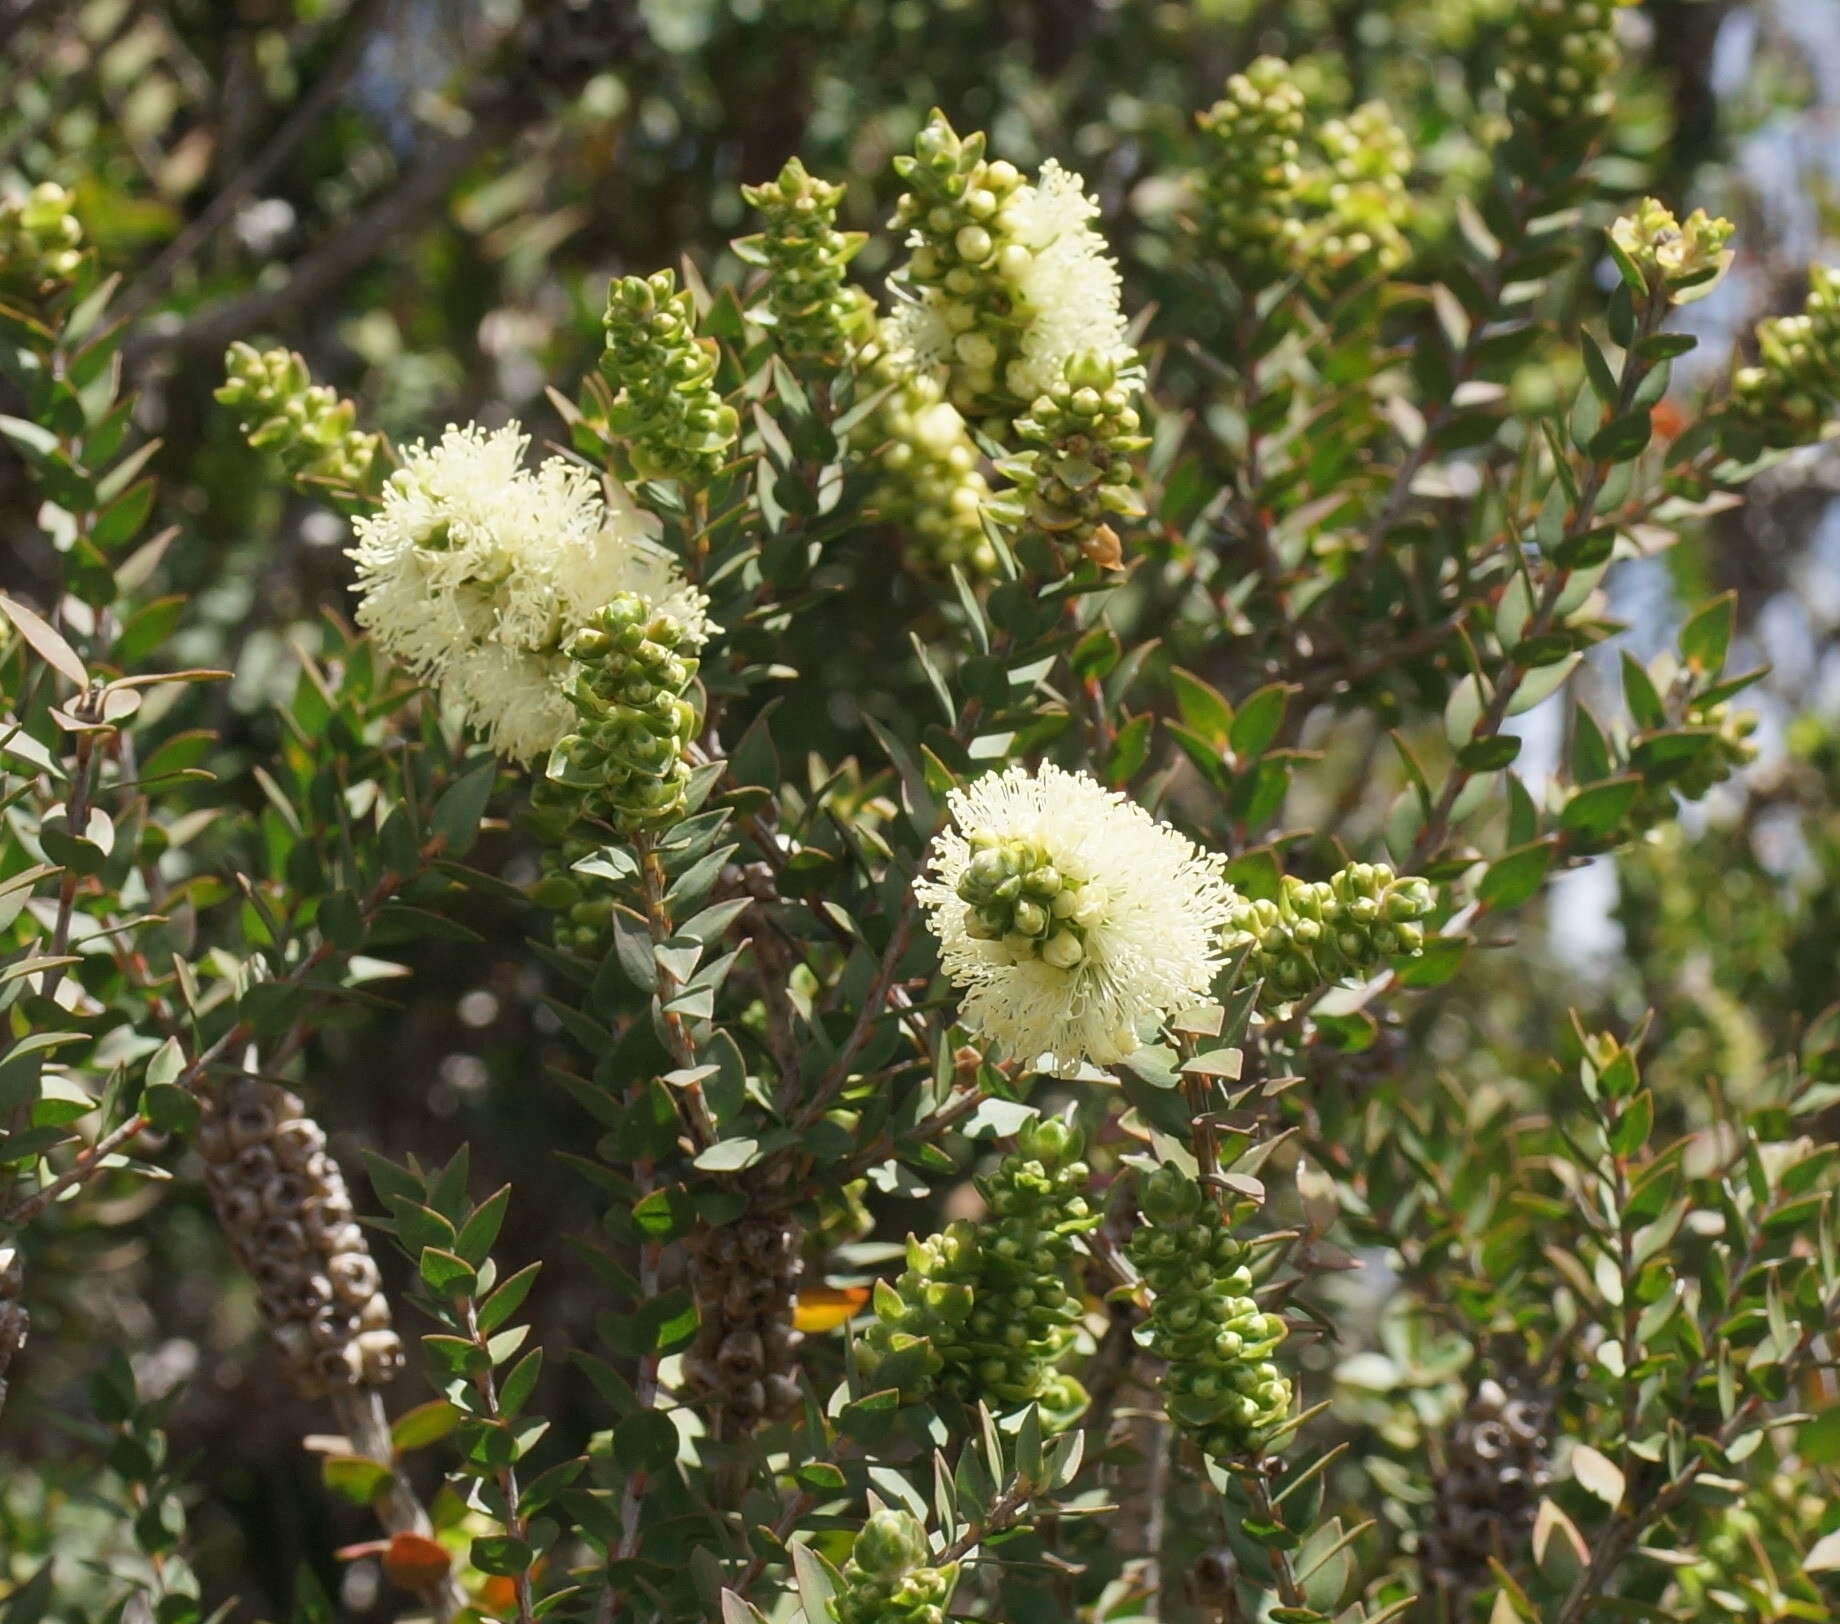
[
  {"x": 625, "y": 765},
  {"x": 1072, "y": 439},
  {"x": 306, "y": 425},
  {"x": 1788, "y": 398},
  {"x": 41, "y": 242},
  {"x": 996, "y": 1300},
  {"x": 1321, "y": 933},
  {"x": 812, "y": 315},
  {"x": 1204, "y": 1321},
  {"x": 1562, "y": 58},
  {"x": 666, "y": 407}
]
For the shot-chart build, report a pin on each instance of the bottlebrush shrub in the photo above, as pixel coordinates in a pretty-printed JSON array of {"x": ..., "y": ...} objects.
[{"x": 972, "y": 738}]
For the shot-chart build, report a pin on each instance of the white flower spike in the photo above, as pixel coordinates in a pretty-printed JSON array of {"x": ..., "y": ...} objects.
[
  {"x": 476, "y": 570},
  {"x": 1070, "y": 916}
]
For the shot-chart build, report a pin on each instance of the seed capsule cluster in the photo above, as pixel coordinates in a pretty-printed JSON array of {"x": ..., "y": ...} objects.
[
  {"x": 1320, "y": 932},
  {"x": 813, "y": 315},
  {"x": 744, "y": 1277},
  {"x": 625, "y": 764},
  {"x": 1222, "y": 1387},
  {"x": 1075, "y": 471},
  {"x": 666, "y": 410},
  {"x": 1253, "y": 174},
  {"x": 967, "y": 247},
  {"x": 1499, "y": 1462},
  {"x": 1018, "y": 897},
  {"x": 283, "y": 1204},
  {"x": 995, "y": 1300},
  {"x": 1562, "y": 55},
  {"x": 929, "y": 483},
  {"x": 1788, "y": 396},
  {"x": 886, "y": 1580},
  {"x": 41, "y": 240},
  {"x": 306, "y": 425}
]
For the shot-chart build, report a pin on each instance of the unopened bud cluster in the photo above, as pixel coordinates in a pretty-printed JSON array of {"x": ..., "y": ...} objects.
[
  {"x": 1075, "y": 471},
  {"x": 305, "y": 425},
  {"x": 581, "y": 905},
  {"x": 928, "y": 482},
  {"x": 1498, "y": 1460},
  {"x": 1357, "y": 195},
  {"x": 887, "y": 1581},
  {"x": 41, "y": 240},
  {"x": 1320, "y": 932},
  {"x": 1562, "y": 55},
  {"x": 1018, "y": 897},
  {"x": 1221, "y": 1387},
  {"x": 967, "y": 248},
  {"x": 994, "y": 1299},
  {"x": 745, "y": 1277},
  {"x": 1672, "y": 256},
  {"x": 1788, "y": 397},
  {"x": 1283, "y": 193},
  {"x": 1252, "y": 174},
  {"x": 811, "y": 312},
  {"x": 625, "y": 760},
  {"x": 283, "y": 1205},
  {"x": 1726, "y": 744},
  {"x": 666, "y": 408}
]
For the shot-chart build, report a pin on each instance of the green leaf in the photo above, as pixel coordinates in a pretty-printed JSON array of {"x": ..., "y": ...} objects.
[
  {"x": 1463, "y": 710},
  {"x": 502, "y": 1554},
  {"x": 1258, "y": 720},
  {"x": 729, "y": 1155},
  {"x": 481, "y": 1230},
  {"x": 1639, "y": 693},
  {"x": 1541, "y": 684},
  {"x": 45, "y": 640},
  {"x": 1824, "y": 1555},
  {"x": 170, "y": 1108},
  {"x": 461, "y": 806},
  {"x": 1598, "y": 1475},
  {"x": 645, "y": 1441},
  {"x": 1707, "y": 635},
  {"x": 447, "y": 1275},
  {"x": 354, "y": 1478},
  {"x": 507, "y": 1299},
  {"x": 1599, "y": 808},
  {"x": 424, "y": 1425},
  {"x": 1130, "y": 750},
  {"x": 1202, "y": 708},
  {"x": 1512, "y": 879}
]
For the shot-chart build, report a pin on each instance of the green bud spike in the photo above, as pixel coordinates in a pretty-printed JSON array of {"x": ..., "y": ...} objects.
[
  {"x": 666, "y": 408},
  {"x": 308, "y": 428},
  {"x": 625, "y": 765},
  {"x": 996, "y": 1300},
  {"x": 1205, "y": 1322}
]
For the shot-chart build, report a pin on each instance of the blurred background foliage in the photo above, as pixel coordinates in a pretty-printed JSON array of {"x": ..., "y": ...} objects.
[{"x": 427, "y": 198}]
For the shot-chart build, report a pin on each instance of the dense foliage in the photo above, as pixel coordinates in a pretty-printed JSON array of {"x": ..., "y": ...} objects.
[{"x": 929, "y": 860}]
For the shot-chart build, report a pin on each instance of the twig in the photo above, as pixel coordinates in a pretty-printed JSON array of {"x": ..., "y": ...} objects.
[
  {"x": 361, "y": 1416},
  {"x": 497, "y": 111},
  {"x": 299, "y": 124}
]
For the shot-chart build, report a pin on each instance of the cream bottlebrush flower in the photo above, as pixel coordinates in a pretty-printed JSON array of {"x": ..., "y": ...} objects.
[
  {"x": 1066, "y": 292},
  {"x": 475, "y": 571},
  {"x": 1071, "y": 284},
  {"x": 1070, "y": 915}
]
